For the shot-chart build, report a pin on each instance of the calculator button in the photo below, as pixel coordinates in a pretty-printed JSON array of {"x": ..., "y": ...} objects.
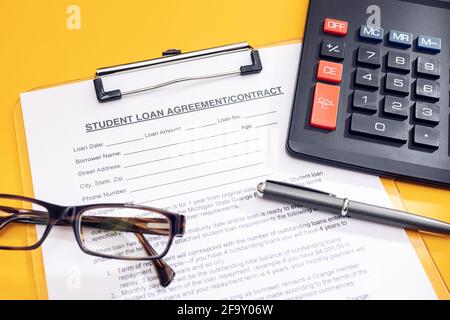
[
  {"x": 370, "y": 56},
  {"x": 427, "y": 89},
  {"x": 400, "y": 38},
  {"x": 428, "y": 67},
  {"x": 426, "y": 137},
  {"x": 332, "y": 49},
  {"x": 325, "y": 106},
  {"x": 377, "y": 127},
  {"x": 329, "y": 71},
  {"x": 336, "y": 27},
  {"x": 367, "y": 101},
  {"x": 396, "y": 107},
  {"x": 397, "y": 83},
  {"x": 428, "y": 43},
  {"x": 367, "y": 78},
  {"x": 427, "y": 112},
  {"x": 371, "y": 33},
  {"x": 399, "y": 61}
]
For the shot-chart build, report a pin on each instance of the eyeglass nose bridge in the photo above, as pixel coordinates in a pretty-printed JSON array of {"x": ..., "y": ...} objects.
[{"x": 63, "y": 214}]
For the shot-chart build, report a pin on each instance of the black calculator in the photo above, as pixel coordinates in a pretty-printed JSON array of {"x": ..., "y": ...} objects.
[{"x": 373, "y": 88}]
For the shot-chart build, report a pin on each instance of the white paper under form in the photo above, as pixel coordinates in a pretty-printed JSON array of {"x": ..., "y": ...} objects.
[{"x": 199, "y": 149}]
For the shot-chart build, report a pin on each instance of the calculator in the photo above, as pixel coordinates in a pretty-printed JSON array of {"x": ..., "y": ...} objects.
[{"x": 373, "y": 88}]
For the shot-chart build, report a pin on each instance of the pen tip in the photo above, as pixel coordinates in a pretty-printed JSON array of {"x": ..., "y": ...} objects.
[{"x": 260, "y": 189}]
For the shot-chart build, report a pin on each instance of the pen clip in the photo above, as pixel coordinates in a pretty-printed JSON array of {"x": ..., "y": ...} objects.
[{"x": 290, "y": 185}]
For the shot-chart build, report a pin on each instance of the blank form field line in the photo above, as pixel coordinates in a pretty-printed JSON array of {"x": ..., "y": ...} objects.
[
  {"x": 179, "y": 143},
  {"x": 198, "y": 177},
  {"x": 194, "y": 165},
  {"x": 190, "y": 153},
  {"x": 124, "y": 142},
  {"x": 267, "y": 125},
  {"x": 204, "y": 126},
  {"x": 261, "y": 114},
  {"x": 204, "y": 189}
]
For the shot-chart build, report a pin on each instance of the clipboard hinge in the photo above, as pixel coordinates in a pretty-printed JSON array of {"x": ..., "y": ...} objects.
[{"x": 175, "y": 55}]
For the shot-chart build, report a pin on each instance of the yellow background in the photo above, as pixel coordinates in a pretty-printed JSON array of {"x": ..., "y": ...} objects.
[{"x": 36, "y": 49}]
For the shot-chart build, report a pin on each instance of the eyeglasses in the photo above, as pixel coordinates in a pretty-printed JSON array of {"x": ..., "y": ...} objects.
[{"x": 113, "y": 231}]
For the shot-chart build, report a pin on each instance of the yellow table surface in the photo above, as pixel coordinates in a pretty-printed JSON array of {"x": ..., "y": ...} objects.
[{"x": 37, "y": 48}]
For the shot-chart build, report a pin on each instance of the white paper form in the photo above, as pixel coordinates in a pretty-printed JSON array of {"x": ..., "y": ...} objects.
[{"x": 200, "y": 149}]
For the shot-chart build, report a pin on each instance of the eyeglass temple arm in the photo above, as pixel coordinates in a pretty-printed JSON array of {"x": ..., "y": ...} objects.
[
  {"x": 137, "y": 225},
  {"x": 15, "y": 214},
  {"x": 164, "y": 272}
]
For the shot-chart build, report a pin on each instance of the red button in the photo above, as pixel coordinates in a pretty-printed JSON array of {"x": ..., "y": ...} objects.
[
  {"x": 336, "y": 27},
  {"x": 325, "y": 106},
  {"x": 329, "y": 71}
]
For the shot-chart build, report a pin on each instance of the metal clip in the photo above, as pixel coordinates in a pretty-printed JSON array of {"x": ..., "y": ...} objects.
[{"x": 170, "y": 56}]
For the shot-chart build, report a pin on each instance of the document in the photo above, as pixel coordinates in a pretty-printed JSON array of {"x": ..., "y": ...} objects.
[{"x": 199, "y": 149}]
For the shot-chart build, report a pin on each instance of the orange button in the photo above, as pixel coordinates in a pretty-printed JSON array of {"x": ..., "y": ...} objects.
[
  {"x": 336, "y": 27},
  {"x": 325, "y": 106},
  {"x": 329, "y": 71}
]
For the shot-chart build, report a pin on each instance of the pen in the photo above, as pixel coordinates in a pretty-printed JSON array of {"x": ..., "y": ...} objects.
[{"x": 328, "y": 202}]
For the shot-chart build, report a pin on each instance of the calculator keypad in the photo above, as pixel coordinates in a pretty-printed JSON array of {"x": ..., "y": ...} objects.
[
  {"x": 373, "y": 90},
  {"x": 371, "y": 81}
]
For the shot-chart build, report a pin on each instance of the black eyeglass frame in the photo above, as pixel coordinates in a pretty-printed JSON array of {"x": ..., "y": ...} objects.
[{"x": 65, "y": 215}]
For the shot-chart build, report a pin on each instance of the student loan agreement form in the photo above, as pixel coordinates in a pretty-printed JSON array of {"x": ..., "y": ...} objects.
[{"x": 199, "y": 149}]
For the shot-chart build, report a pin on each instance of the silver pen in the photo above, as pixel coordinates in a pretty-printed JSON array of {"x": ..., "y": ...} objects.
[{"x": 328, "y": 202}]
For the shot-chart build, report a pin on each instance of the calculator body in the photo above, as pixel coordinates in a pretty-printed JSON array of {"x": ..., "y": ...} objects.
[{"x": 363, "y": 101}]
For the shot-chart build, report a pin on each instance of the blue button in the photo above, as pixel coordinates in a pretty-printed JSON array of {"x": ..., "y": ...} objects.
[
  {"x": 429, "y": 43},
  {"x": 371, "y": 33},
  {"x": 400, "y": 38}
]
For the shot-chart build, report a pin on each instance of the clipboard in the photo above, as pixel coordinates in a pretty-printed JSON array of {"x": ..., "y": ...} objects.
[{"x": 105, "y": 95}]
